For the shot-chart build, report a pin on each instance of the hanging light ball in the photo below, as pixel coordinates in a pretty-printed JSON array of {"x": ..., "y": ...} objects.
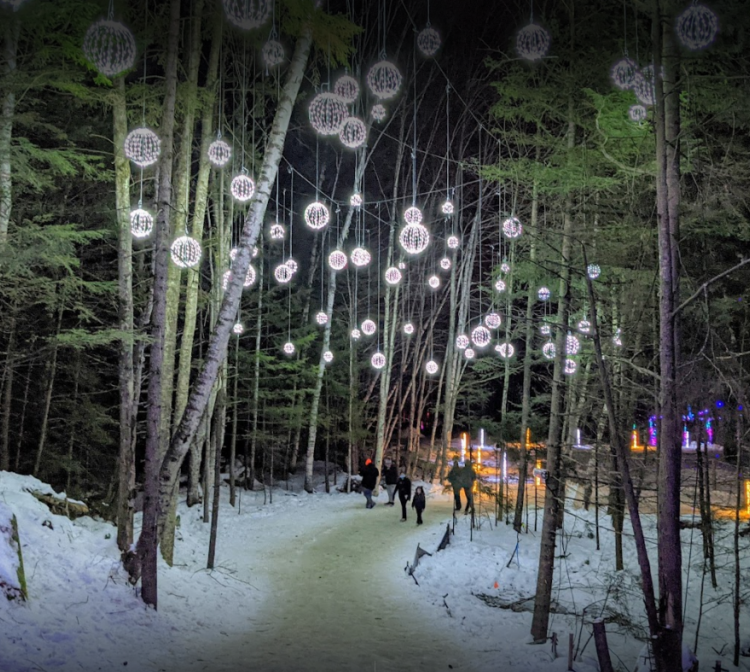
[
  {"x": 273, "y": 53},
  {"x": 238, "y": 328},
  {"x": 462, "y": 341},
  {"x": 369, "y": 327},
  {"x": 428, "y": 41},
  {"x": 414, "y": 238},
  {"x": 549, "y": 350},
  {"x": 434, "y": 281},
  {"x": 346, "y": 88},
  {"x": 142, "y": 147},
  {"x": 242, "y": 187},
  {"x": 384, "y": 80},
  {"x": 292, "y": 265},
  {"x": 378, "y": 112},
  {"x": 186, "y": 252},
  {"x": 643, "y": 86},
  {"x": 378, "y": 360},
  {"x": 505, "y": 267},
  {"x": 356, "y": 200},
  {"x": 447, "y": 207},
  {"x": 545, "y": 330},
  {"x": 141, "y": 223},
  {"x": 317, "y": 215},
  {"x": 233, "y": 253},
  {"x": 250, "y": 276},
  {"x": 110, "y": 46},
  {"x": 493, "y": 320},
  {"x": 445, "y": 264},
  {"x": 505, "y": 350},
  {"x": 572, "y": 345},
  {"x": 617, "y": 338},
  {"x": 353, "y": 133},
  {"x": 544, "y": 294},
  {"x": 327, "y": 356},
  {"x": 431, "y": 367},
  {"x": 500, "y": 285},
  {"x": 584, "y": 326},
  {"x": 337, "y": 260},
  {"x": 226, "y": 278},
  {"x": 623, "y": 73},
  {"x": 283, "y": 274},
  {"x": 637, "y": 113},
  {"x": 321, "y": 317},
  {"x": 408, "y": 328},
  {"x": 593, "y": 271},
  {"x": 469, "y": 353},
  {"x": 392, "y": 275},
  {"x": 401, "y": 266},
  {"x": 453, "y": 242},
  {"x": 413, "y": 215},
  {"x": 219, "y": 153},
  {"x": 327, "y": 113},
  {"x": 570, "y": 367},
  {"x": 247, "y": 14},
  {"x": 277, "y": 231},
  {"x": 356, "y": 333},
  {"x": 289, "y": 348},
  {"x": 360, "y": 257},
  {"x": 512, "y": 227},
  {"x": 481, "y": 336},
  {"x": 697, "y": 27},
  {"x": 532, "y": 42}
]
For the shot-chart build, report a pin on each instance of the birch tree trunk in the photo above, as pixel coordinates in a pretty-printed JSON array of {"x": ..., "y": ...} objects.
[
  {"x": 8, "y": 394},
  {"x": 10, "y": 49}
]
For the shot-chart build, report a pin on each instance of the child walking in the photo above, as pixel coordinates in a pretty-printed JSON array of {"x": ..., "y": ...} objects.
[{"x": 418, "y": 503}]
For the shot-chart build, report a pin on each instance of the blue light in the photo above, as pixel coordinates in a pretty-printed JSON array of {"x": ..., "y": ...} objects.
[{"x": 720, "y": 404}]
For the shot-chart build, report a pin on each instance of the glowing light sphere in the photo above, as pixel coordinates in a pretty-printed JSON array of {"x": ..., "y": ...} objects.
[
  {"x": 643, "y": 86},
  {"x": 327, "y": 113},
  {"x": 469, "y": 353},
  {"x": 292, "y": 265},
  {"x": 532, "y": 42},
  {"x": 512, "y": 227},
  {"x": 142, "y": 147},
  {"x": 321, "y": 318},
  {"x": 283, "y": 274},
  {"x": 593, "y": 271},
  {"x": 428, "y": 41},
  {"x": 413, "y": 215},
  {"x": 360, "y": 257},
  {"x": 110, "y": 46},
  {"x": 356, "y": 333},
  {"x": 505, "y": 350},
  {"x": 353, "y": 133},
  {"x": 433, "y": 281},
  {"x": 242, "y": 187},
  {"x": 186, "y": 252},
  {"x": 273, "y": 53},
  {"x": 431, "y": 367},
  {"x": 481, "y": 336},
  {"x": 384, "y": 80},
  {"x": 328, "y": 356},
  {"x": 276, "y": 231},
  {"x": 141, "y": 223},
  {"x": 392, "y": 275},
  {"x": 408, "y": 328},
  {"x": 570, "y": 367},
  {"x": 238, "y": 329},
  {"x": 447, "y": 208},
  {"x": 250, "y": 276},
  {"x": 617, "y": 338},
  {"x": 445, "y": 264},
  {"x": 226, "y": 279},
  {"x": 462, "y": 341},
  {"x": 378, "y": 360},
  {"x": 584, "y": 326},
  {"x": 500, "y": 285},
  {"x": 401, "y": 266},
  {"x": 453, "y": 242},
  {"x": 505, "y": 267},
  {"x": 233, "y": 253},
  {"x": 346, "y": 88},
  {"x": 545, "y": 330},
  {"x": 493, "y": 320},
  {"x": 549, "y": 350},
  {"x": 697, "y": 27},
  {"x": 378, "y": 113},
  {"x": 414, "y": 238},
  {"x": 247, "y": 14},
  {"x": 623, "y": 73},
  {"x": 369, "y": 327},
  {"x": 356, "y": 200},
  {"x": 572, "y": 345},
  {"x": 219, "y": 153},
  {"x": 337, "y": 260},
  {"x": 543, "y": 294},
  {"x": 637, "y": 113},
  {"x": 317, "y": 215},
  {"x": 289, "y": 348}
]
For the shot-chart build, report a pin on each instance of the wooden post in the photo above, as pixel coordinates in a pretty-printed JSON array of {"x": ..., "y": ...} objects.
[
  {"x": 570, "y": 652},
  {"x": 602, "y": 650}
]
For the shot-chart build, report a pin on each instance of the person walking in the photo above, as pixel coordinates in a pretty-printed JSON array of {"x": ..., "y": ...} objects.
[
  {"x": 468, "y": 476},
  {"x": 391, "y": 478},
  {"x": 454, "y": 478},
  {"x": 419, "y": 503},
  {"x": 370, "y": 475},
  {"x": 403, "y": 487}
]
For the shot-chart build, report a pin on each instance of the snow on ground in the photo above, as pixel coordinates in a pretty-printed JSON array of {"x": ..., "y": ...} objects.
[{"x": 317, "y": 582}]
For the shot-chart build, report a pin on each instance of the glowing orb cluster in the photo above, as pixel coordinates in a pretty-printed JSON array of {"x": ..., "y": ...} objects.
[
  {"x": 469, "y": 353},
  {"x": 360, "y": 257},
  {"x": 505, "y": 350},
  {"x": 433, "y": 281},
  {"x": 356, "y": 200},
  {"x": 353, "y": 133},
  {"x": 644, "y": 87},
  {"x": 481, "y": 336},
  {"x": 637, "y": 113},
  {"x": 584, "y": 326},
  {"x": 289, "y": 348},
  {"x": 697, "y": 27},
  {"x": 317, "y": 215},
  {"x": 142, "y": 147},
  {"x": 447, "y": 207},
  {"x": 431, "y": 367},
  {"x": 593, "y": 271},
  {"x": 384, "y": 80},
  {"x": 283, "y": 274},
  {"x": 141, "y": 223},
  {"x": 413, "y": 215},
  {"x": 570, "y": 367},
  {"x": 247, "y": 14},
  {"x": 493, "y": 320},
  {"x": 219, "y": 153},
  {"x": 186, "y": 252},
  {"x": 532, "y": 42},
  {"x": 327, "y": 356},
  {"x": 346, "y": 88},
  {"x": 545, "y": 330},
  {"x": 623, "y": 73},
  {"x": 110, "y": 46},
  {"x": 617, "y": 338},
  {"x": 356, "y": 333},
  {"x": 408, "y": 328},
  {"x": 238, "y": 329},
  {"x": 505, "y": 267},
  {"x": 572, "y": 345},
  {"x": 242, "y": 187},
  {"x": 327, "y": 113},
  {"x": 414, "y": 238},
  {"x": 321, "y": 318},
  {"x": 273, "y": 53},
  {"x": 549, "y": 350},
  {"x": 378, "y": 360},
  {"x": 500, "y": 285},
  {"x": 378, "y": 112},
  {"x": 277, "y": 231},
  {"x": 543, "y": 294},
  {"x": 337, "y": 260},
  {"x": 512, "y": 227},
  {"x": 292, "y": 265},
  {"x": 369, "y": 327},
  {"x": 453, "y": 242},
  {"x": 250, "y": 276},
  {"x": 445, "y": 264},
  {"x": 428, "y": 41},
  {"x": 392, "y": 275},
  {"x": 462, "y": 341}
]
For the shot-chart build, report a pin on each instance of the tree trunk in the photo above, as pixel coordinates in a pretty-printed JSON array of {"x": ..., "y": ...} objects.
[
  {"x": 22, "y": 421},
  {"x": 218, "y": 440},
  {"x": 8, "y": 394},
  {"x": 233, "y": 439},
  {"x": 10, "y": 49}
]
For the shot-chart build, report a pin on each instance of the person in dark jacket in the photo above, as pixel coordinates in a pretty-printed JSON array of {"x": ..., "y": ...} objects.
[
  {"x": 454, "y": 478},
  {"x": 403, "y": 487},
  {"x": 391, "y": 477},
  {"x": 468, "y": 476},
  {"x": 419, "y": 503},
  {"x": 370, "y": 475}
]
